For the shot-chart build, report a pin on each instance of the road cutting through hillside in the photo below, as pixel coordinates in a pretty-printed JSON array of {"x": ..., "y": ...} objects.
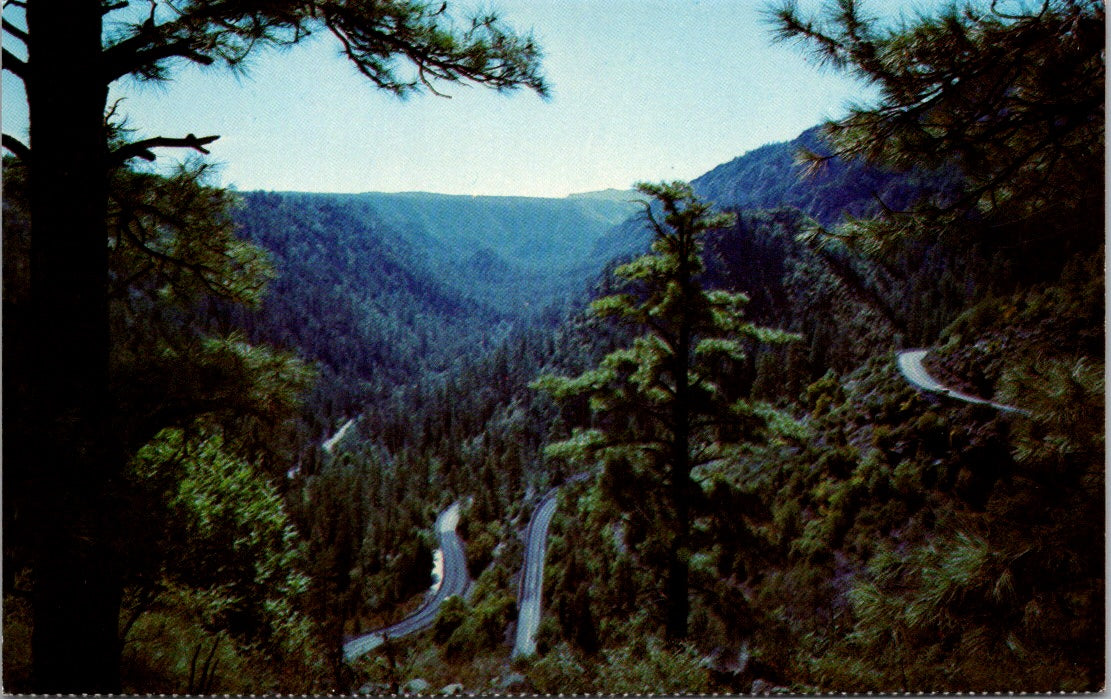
[
  {"x": 530, "y": 594},
  {"x": 453, "y": 580},
  {"x": 910, "y": 364},
  {"x": 532, "y": 575},
  {"x": 330, "y": 443}
]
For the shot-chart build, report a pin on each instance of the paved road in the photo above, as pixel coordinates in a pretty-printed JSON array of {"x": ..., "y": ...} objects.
[
  {"x": 532, "y": 576},
  {"x": 529, "y": 597},
  {"x": 910, "y": 364},
  {"x": 529, "y": 601},
  {"x": 330, "y": 443},
  {"x": 453, "y": 581}
]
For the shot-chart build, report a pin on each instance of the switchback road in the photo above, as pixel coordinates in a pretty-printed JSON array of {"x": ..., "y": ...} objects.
[
  {"x": 454, "y": 578},
  {"x": 532, "y": 575},
  {"x": 453, "y": 581},
  {"x": 910, "y": 364},
  {"x": 330, "y": 443},
  {"x": 529, "y": 600}
]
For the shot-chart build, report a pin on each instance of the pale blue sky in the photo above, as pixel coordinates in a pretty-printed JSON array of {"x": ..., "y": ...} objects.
[{"x": 641, "y": 90}]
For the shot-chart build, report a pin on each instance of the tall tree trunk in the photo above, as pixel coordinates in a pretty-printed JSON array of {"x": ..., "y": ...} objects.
[
  {"x": 678, "y": 563},
  {"x": 76, "y": 597},
  {"x": 678, "y": 555}
]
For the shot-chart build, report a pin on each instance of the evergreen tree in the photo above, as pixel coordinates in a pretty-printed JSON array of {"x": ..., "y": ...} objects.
[
  {"x": 658, "y": 409},
  {"x": 171, "y": 249},
  {"x": 1010, "y": 94},
  {"x": 69, "y": 63}
]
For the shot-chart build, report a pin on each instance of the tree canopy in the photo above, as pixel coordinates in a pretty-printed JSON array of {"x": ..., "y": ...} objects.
[
  {"x": 660, "y": 408},
  {"x": 72, "y": 454},
  {"x": 1012, "y": 94},
  {"x": 381, "y": 39}
]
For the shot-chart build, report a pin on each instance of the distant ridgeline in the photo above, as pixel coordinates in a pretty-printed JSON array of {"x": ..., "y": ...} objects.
[
  {"x": 769, "y": 177},
  {"x": 378, "y": 288},
  {"x": 514, "y": 255}
]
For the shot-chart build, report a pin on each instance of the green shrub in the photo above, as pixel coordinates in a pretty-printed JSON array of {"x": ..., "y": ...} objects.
[
  {"x": 452, "y": 613},
  {"x": 906, "y": 479}
]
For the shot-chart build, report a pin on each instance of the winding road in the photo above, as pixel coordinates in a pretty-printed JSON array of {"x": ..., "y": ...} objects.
[
  {"x": 910, "y": 364},
  {"x": 532, "y": 575},
  {"x": 449, "y": 557},
  {"x": 330, "y": 443},
  {"x": 529, "y": 597},
  {"x": 453, "y": 581}
]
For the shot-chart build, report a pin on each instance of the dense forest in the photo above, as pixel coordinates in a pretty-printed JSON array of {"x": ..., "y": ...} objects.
[
  {"x": 380, "y": 289},
  {"x": 752, "y": 493}
]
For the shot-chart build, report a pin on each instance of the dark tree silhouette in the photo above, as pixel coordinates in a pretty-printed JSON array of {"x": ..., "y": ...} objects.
[
  {"x": 659, "y": 406},
  {"x": 1012, "y": 94},
  {"x": 66, "y": 456}
]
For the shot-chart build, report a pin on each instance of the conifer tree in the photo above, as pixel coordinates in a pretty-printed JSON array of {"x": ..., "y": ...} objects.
[
  {"x": 67, "y": 54},
  {"x": 658, "y": 410},
  {"x": 172, "y": 247},
  {"x": 1011, "y": 94}
]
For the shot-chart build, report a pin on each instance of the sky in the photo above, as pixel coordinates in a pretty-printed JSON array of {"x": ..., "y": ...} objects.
[{"x": 640, "y": 90}]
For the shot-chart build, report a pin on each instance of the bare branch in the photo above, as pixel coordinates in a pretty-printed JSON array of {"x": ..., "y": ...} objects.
[
  {"x": 17, "y": 148},
  {"x": 113, "y": 6},
  {"x": 999, "y": 13},
  {"x": 15, "y": 31},
  {"x": 112, "y": 110},
  {"x": 650, "y": 218},
  {"x": 15, "y": 65},
  {"x": 146, "y": 596},
  {"x": 142, "y": 149},
  {"x": 427, "y": 83}
]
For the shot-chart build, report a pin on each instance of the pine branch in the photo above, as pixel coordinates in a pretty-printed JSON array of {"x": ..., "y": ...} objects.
[
  {"x": 17, "y": 148},
  {"x": 137, "y": 55},
  {"x": 202, "y": 272},
  {"x": 788, "y": 25},
  {"x": 142, "y": 149},
  {"x": 663, "y": 333},
  {"x": 367, "y": 42}
]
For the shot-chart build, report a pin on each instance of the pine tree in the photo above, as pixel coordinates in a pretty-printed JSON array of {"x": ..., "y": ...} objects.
[
  {"x": 67, "y": 66},
  {"x": 1010, "y": 94},
  {"x": 171, "y": 248},
  {"x": 658, "y": 410}
]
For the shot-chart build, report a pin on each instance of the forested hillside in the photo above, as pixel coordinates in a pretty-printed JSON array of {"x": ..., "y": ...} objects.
[
  {"x": 355, "y": 297},
  {"x": 774, "y": 176},
  {"x": 382, "y": 289},
  {"x": 861, "y": 535},
  {"x": 756, "y": 491},
  {"x": 756, "y": 180},
  {"x": 868, "y": 536}
]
